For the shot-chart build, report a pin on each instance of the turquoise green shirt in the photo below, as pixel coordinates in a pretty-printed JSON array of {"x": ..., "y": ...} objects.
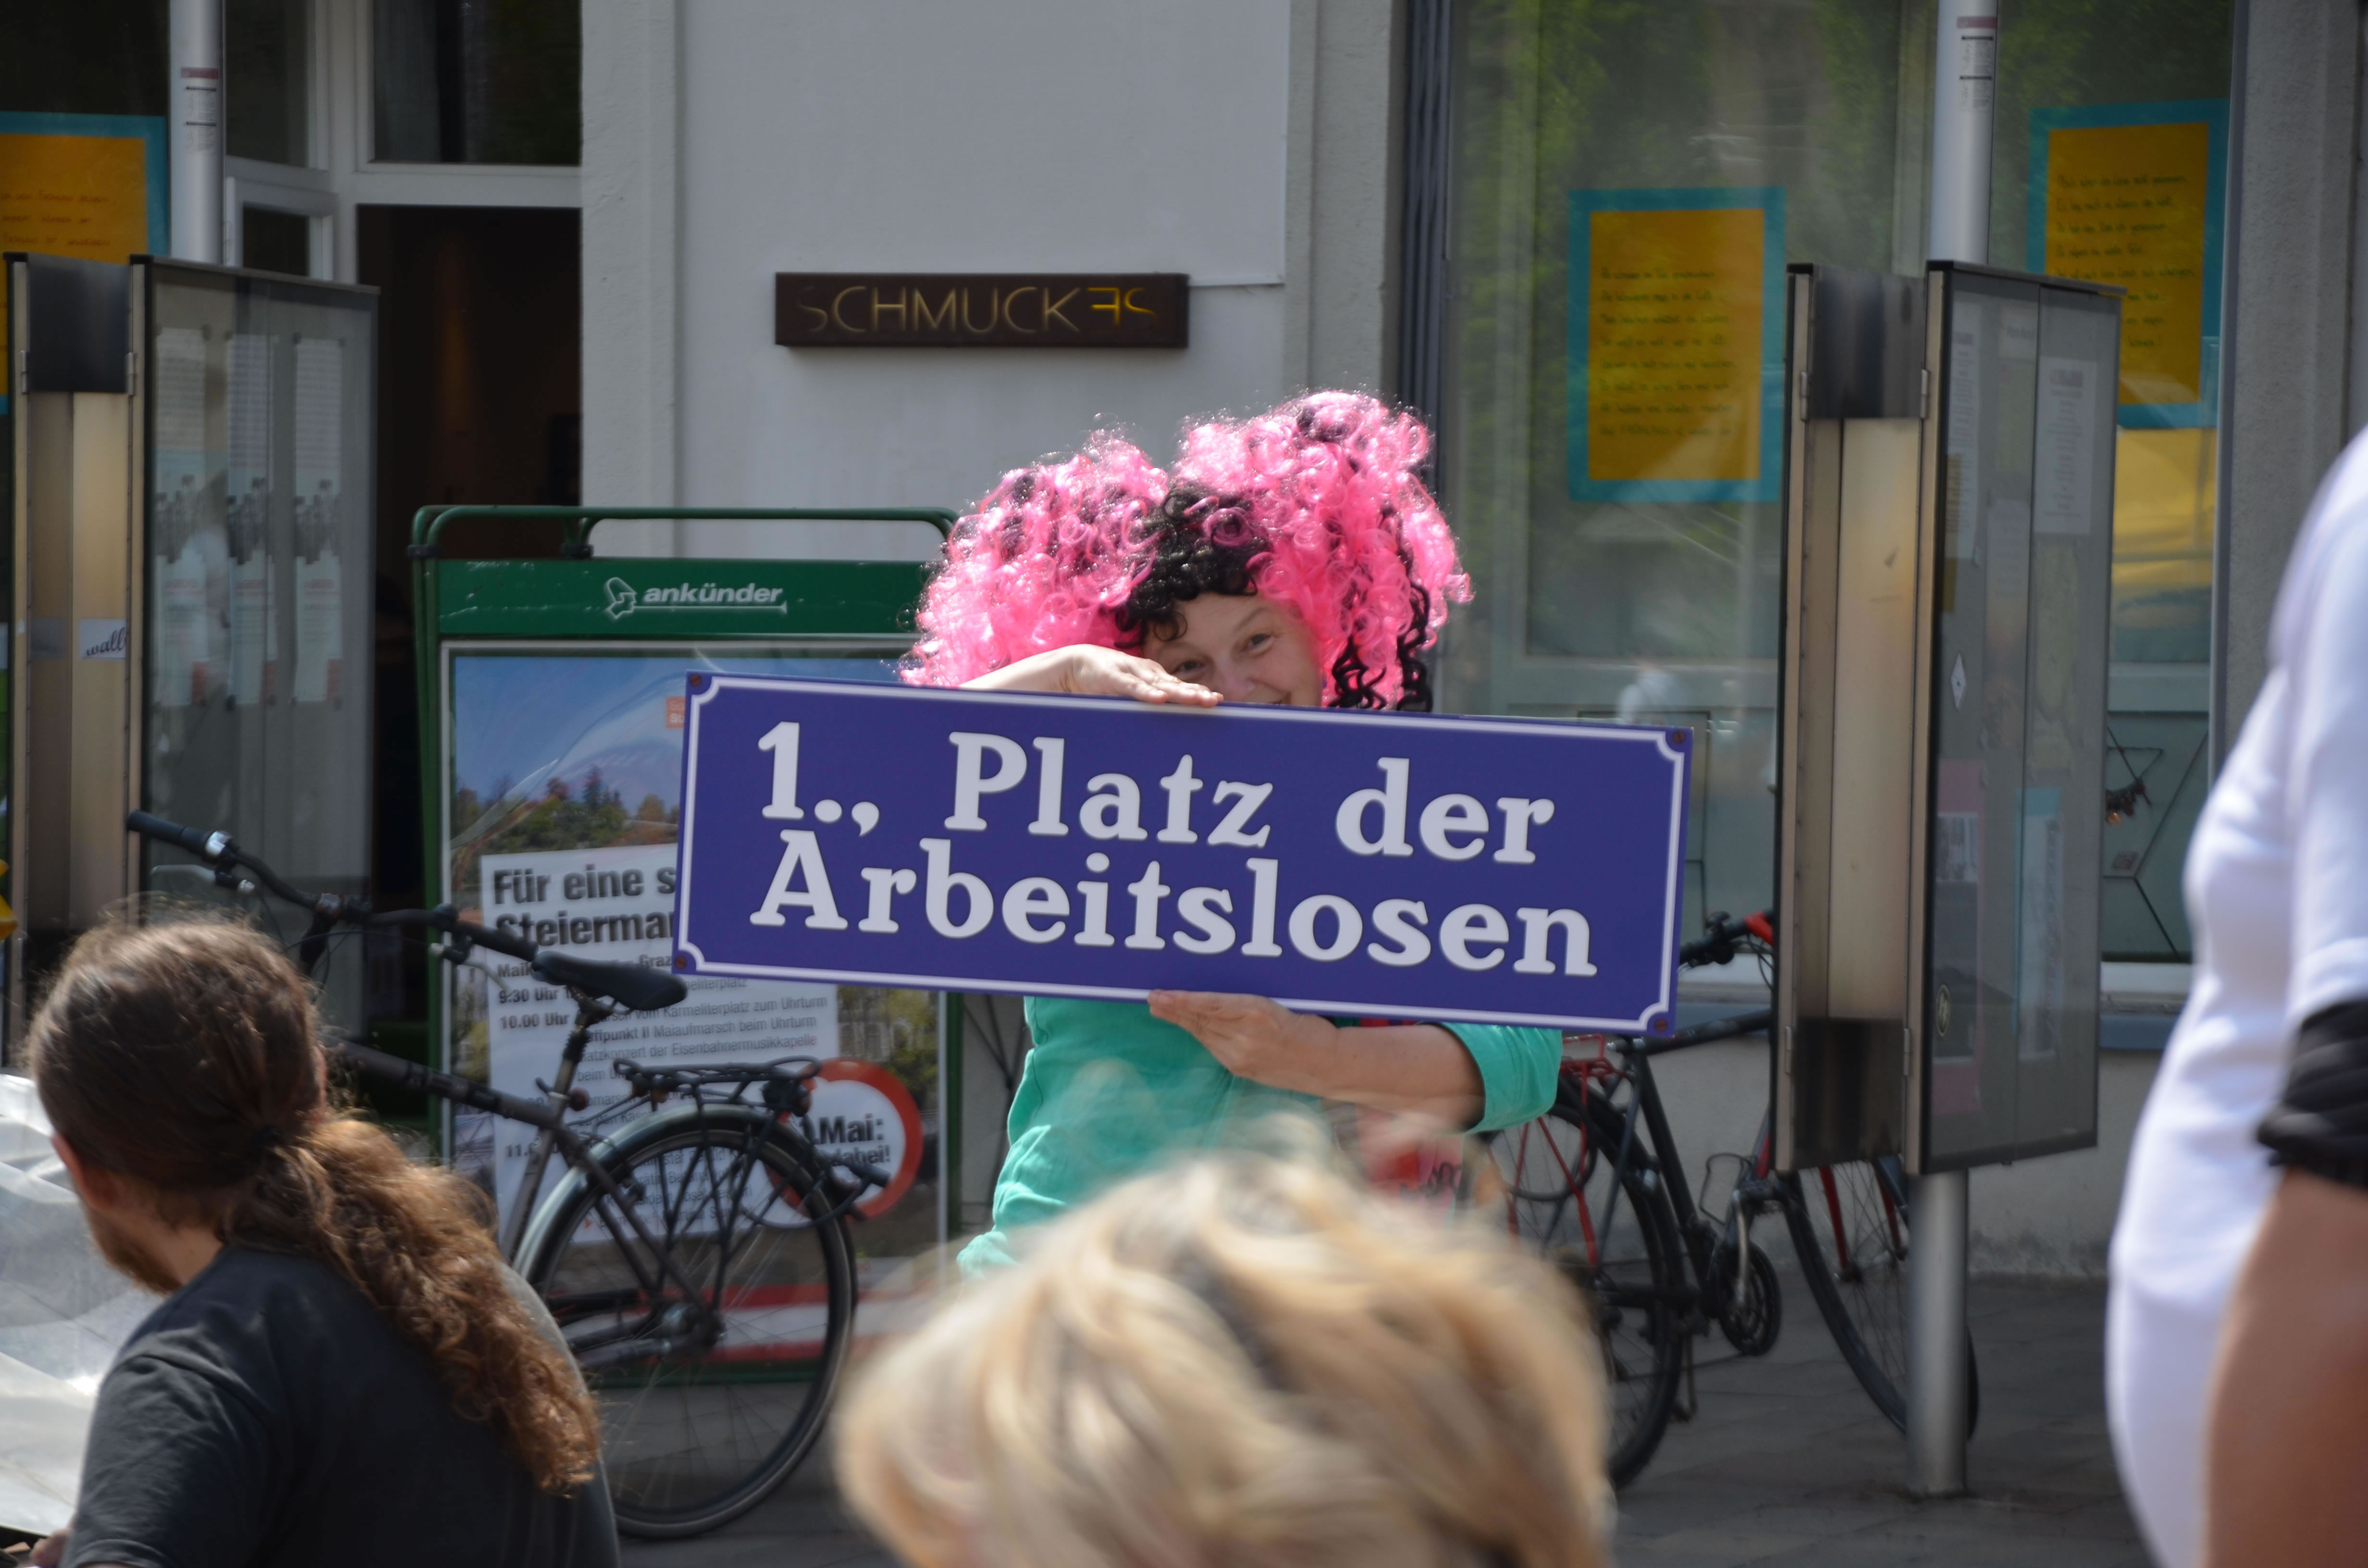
[{"x": 1110, "y": 1091}]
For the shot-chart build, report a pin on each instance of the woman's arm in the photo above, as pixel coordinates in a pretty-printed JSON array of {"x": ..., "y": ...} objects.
[
  {"x": 1417, "y": 1068},
  {"x": 1083, "y": 669},
  {"x": 2288, "y": 1429}
]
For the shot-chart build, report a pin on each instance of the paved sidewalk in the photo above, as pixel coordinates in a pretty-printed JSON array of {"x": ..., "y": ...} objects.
[{"x": 1786, "y": 1463}]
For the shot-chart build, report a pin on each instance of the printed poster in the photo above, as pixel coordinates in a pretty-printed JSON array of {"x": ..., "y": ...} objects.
[
  {"x": 1676, "y": 345},
  {"x": 319, "y": 516},
  {"x": 2132, "y": 195},
  {"x": 617, "y": 906},
  {"x": 254, "y": 634},
  {"x": 566, "y": 770},
  {"x": 2063, "y": 468},
  {"x": 1958, "y": 1021},
  {"x": 88, "y": 185},
  {"x": 2039, "y": 975},
  {"x": 180, "y": 526},
  {"x": 1963, "y": 497}
]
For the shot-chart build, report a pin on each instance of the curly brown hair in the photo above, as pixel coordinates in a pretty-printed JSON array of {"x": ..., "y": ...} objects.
[
  {"x": 186, "y": 1058},
  {"x": 1204, "y": 543}
]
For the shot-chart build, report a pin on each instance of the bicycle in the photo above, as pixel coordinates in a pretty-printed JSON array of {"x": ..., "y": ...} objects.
[
  {"x": 1663, "y": 1280},
  {"x": 697, "y": 1258}
]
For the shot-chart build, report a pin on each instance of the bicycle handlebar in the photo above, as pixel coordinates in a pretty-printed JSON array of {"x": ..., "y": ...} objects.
[
  {"x": 206, "y": 847},
  {"x": 1718, "y": 944},
  {"x": 216, "y": 849},
  {"x": 641, "y": 989}
]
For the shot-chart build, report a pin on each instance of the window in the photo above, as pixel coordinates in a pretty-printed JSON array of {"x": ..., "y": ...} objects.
[
  {"x": 1645, "y": 587},
  {"x": 476, "y": 81},
  {"x": 266, "y": 57},
  {"x": 270, "y": 241}
]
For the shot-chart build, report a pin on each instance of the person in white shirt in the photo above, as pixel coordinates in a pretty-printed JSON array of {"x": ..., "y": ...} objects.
[{"x": 2277, "y": 890}]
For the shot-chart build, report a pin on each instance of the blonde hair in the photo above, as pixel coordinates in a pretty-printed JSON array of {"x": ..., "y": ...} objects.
[{"x": 1243, "y": 1361}]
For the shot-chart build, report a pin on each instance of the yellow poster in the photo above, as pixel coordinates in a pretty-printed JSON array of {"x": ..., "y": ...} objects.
[
  {"x": 1676, "y": 307},
  {"x": 84, "y": 197},
  {"x": 2166, "y": 483},
  {"x": 2131, "y": 205}
]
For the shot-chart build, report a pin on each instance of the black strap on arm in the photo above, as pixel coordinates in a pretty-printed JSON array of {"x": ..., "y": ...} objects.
[{"x": 2321, "y": 1125}]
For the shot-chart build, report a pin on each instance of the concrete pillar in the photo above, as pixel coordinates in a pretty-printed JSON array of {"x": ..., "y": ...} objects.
[{"x": 2286, "y": 399}]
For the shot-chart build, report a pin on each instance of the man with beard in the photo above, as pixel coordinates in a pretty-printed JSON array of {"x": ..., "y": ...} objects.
[{"x": 343, "y": 1370}]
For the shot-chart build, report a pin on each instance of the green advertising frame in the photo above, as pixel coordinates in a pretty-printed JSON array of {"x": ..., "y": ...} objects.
[{"x": 641, "y": 600}]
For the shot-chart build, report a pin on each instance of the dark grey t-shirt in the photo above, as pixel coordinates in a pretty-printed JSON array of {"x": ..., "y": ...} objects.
[{"x": 266, "y": 1416}]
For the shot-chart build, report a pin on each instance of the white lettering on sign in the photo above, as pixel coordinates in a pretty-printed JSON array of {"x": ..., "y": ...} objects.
[
  {"x": 624, "y": 598},
  {"x": 1114, "y": 810},
  {"x": 781, "y": 741},
  {"x": 970, "y": 752},
  {"x": 860, "y": 1112},
  {"x": 1235, "y": 828},
  {"x": 802, "y": 883},
  {"x": 1538, "y": 926},
  {"x": 1207, "y": 920},
  {"x": 1349, "y": 821}
]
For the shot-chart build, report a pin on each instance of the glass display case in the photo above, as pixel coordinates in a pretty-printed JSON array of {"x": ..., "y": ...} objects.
[
  {"x": 1942, "y": 714},
  {"x": 256, "y": 562},
  {"x": 2024, "y": 431}
]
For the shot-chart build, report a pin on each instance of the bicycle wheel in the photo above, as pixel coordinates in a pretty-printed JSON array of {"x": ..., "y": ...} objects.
[
  {"x": 1851, "y": 1230},
  {"x": 1554, "y": 1177},
  {"x": 701, "y": 1419}
]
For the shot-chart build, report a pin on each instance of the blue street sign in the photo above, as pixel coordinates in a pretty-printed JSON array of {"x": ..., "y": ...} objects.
[{"x": 1400, "y": 866}]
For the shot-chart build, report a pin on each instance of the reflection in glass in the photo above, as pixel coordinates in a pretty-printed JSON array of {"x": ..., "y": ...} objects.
[
  {"x": 270, "y": 241},
  {"x": 260, "y": 388},
  {"x": 1651, "y": 610},
  {"x": 566, "y": 758},
  {"x": 266, "y": 57},
  {"x": 476, "y": 81},
  {"x": 2018, "y": 764},
  {"x": 1669, "y": 606}
]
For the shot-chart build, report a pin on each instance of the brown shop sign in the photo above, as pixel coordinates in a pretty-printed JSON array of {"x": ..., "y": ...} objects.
[{"x": 980, "y": 310}]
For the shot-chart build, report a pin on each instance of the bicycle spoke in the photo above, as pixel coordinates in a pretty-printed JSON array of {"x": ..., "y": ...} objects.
[
  {"x": 695, "y": 1433},
  {"x": 1857, "y": 1265},
  {"x": 1561, "y": 1197}
]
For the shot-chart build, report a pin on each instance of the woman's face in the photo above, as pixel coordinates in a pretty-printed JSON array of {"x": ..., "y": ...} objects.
[{"x": 1245, "y": 648}]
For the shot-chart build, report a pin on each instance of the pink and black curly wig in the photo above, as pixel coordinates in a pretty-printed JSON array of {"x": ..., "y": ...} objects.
[{"x": 1317, "y": 506}]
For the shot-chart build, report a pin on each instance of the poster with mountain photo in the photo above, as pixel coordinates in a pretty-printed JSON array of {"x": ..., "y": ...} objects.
[{"x": 564, "y": 799}]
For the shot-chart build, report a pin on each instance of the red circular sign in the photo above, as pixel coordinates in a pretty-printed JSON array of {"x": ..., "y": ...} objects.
[{"x": 862, "y": 1111}]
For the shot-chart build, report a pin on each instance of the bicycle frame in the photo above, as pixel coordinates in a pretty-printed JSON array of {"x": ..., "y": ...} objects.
[
  {"x": 556, "y": 1136},
  {"x": 538, "y": 1160},
  {"x": 1699, "y": 1238}
]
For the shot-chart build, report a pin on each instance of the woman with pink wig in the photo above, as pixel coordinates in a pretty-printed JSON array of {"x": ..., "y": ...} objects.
[{"x": 1293, "y": 558}]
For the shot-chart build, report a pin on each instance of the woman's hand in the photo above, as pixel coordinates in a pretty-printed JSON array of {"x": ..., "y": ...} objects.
[
  {"x": 1252, "y": 1036},
  {"x": 1416, "y": 1068},
  {"x": 1086, "y": 669}
]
